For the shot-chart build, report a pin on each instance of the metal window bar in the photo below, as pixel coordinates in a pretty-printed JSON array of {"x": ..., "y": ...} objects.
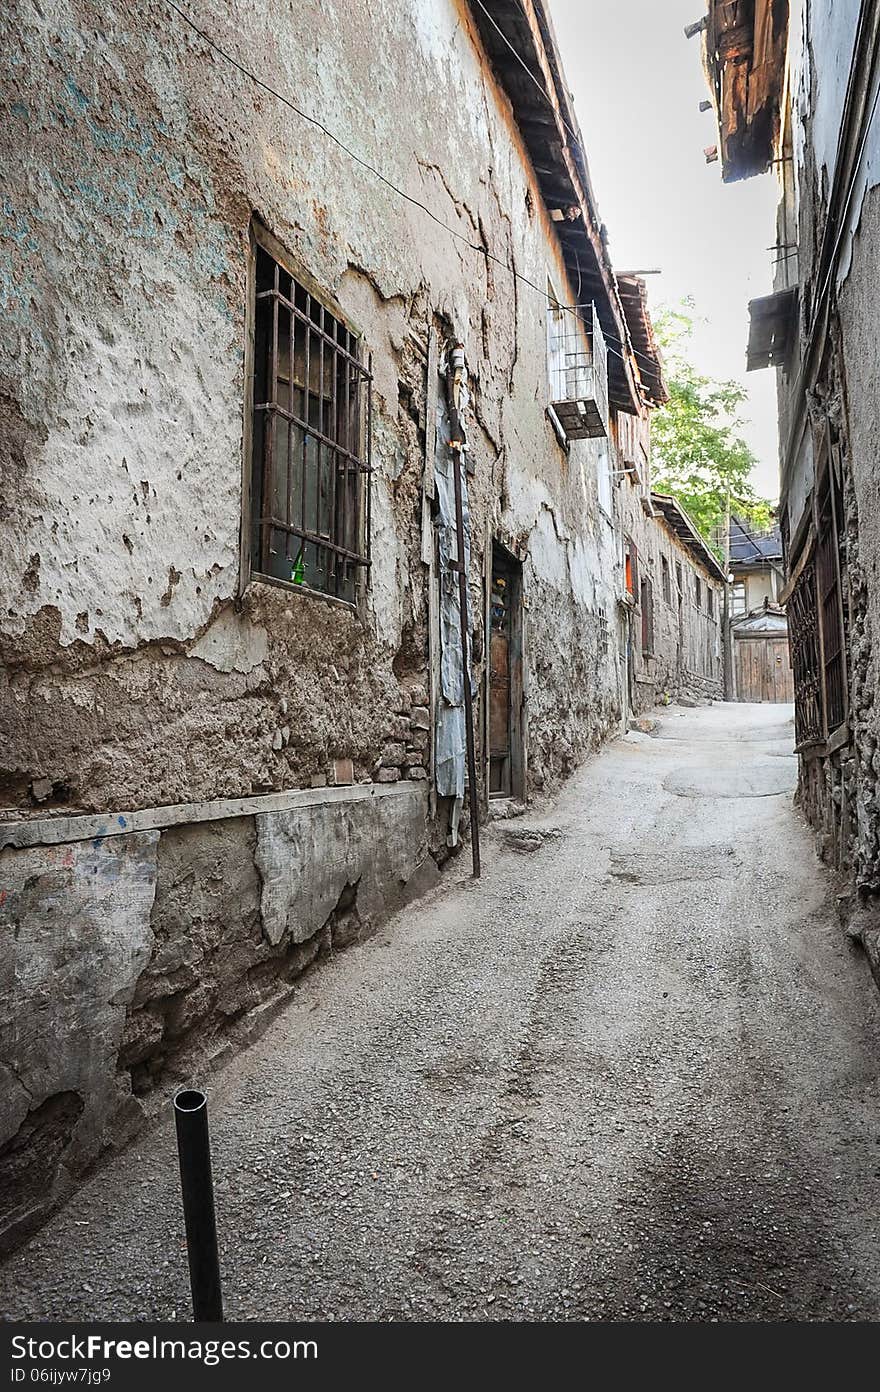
[
  {"x": 832, "y": 629},
  {"x": 803, "y": 624},
  {"x": 578, "y": 370},
  {"x": 312, "y": 449}
]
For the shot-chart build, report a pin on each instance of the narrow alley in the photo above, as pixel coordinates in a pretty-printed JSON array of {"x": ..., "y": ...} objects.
[{"x": 631, "y": 1074}]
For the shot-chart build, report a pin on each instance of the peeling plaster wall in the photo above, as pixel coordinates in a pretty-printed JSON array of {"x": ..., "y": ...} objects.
[
  {"x": 134, "y": 674},
  {"x": 130, "y": 959},
  {"x": 686, "y": 660},
  {"x": 840, "y": 787},
  {"x": 75, "y": 934}
]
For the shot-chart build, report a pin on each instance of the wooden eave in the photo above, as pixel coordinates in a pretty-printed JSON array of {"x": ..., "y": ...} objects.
[
  {"x": 544, "y": 115},
  {"x": 633, "y": 297},
  {"x": 678, "y": 521},
  {"x": 744, "y": 49}
]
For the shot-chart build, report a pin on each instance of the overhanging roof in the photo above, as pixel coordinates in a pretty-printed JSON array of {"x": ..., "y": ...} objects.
[
  {"x": 518, "y": 38},
  {"x": 634, "y": 298},
  {"x": 744, "y": 46},
  {"x": 771, "y": 321},
  {"x": 750, "y": 548},
  {"x": 676, "y": 518}
]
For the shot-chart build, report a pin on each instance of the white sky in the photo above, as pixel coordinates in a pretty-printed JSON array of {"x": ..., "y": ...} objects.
[{"x": 637, "y": 84}]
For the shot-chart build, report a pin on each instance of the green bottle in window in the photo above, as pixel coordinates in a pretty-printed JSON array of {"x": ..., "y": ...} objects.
[{"x": 298, "y": 571}]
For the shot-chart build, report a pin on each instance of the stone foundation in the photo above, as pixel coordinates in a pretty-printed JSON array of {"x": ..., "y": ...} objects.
[{"x": 134, "y": 954}]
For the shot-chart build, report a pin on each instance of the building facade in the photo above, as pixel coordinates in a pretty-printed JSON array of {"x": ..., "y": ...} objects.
[
  {"x": 796, "y": 88},
  {"x": 253, "y": 343}
]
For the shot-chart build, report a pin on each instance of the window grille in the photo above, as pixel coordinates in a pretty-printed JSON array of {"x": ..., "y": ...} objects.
[
  {"x": 698, "y": 594},
  {"x": 803, "y": 633},
  {"x": 831, "y": 610},
  {"x": 665, "y": 580},
  {"x": 577, "y": 365},
  {"x": 311, "y": 439}
]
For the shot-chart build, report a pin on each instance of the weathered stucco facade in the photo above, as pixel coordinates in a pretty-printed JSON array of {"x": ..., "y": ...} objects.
[
  {"x": 208, "y": 780},
  {"x": 672, "y": 586},
  {"x": 818, "y": 83}
]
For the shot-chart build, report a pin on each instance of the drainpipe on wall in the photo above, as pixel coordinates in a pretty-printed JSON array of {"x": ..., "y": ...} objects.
[
  {"x": 726, "y": 629},
  {"x": 457, "y": 444}
]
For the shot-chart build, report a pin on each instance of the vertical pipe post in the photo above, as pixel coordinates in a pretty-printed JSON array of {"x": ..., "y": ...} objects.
[
  {"x": 456, "y": 442},
  {"x": 728, "y": 692},
  {"x": 194, "y": 1153}
]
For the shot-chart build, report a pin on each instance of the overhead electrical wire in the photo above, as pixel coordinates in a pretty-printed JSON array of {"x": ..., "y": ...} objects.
[
  {"x": 401, "y": 193},
  {"x": 527, "y": 70}
]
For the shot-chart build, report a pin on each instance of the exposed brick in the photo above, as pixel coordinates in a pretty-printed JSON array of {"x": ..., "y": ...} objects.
[
  {"x": 415, "y": 771},
  {"x": 388, "y": 775},
  {"x": 420, "y": 719}
]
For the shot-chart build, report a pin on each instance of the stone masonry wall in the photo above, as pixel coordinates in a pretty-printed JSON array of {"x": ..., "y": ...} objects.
[
  {"x": 138, "y": 672},
  {"x": 135, "y": 671},
  {"x": 134, "y": 958}
]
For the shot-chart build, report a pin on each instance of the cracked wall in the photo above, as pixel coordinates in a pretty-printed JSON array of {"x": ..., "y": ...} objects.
[
  {"x": 686, "y": 657},
  {"x": 133, "y": 961},
  {"x": 137, "y": 671},
  {"x": 134, "y": 672},
  {"x": 839, "y": 787}
]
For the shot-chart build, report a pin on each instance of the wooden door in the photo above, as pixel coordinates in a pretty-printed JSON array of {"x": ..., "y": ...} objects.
[
  {"x": 763, "y": 669},
  {"x": 499, "y": 712}
]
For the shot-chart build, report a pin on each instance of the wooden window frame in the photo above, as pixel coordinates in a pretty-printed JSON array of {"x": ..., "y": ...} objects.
[
  {"x": 666, "y": 580},
  {"x": 827, "y": 520},
  {"x": 646, "y": 604}
]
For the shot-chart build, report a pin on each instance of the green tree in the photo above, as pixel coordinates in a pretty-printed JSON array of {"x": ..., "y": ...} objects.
[{"x": 699, "y": 454}]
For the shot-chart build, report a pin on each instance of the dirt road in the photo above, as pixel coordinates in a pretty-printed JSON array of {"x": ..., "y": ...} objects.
[{"x": 632, "y": 1074}]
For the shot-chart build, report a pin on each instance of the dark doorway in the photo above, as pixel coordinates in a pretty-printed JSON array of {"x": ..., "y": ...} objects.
[{"x": 506, "y": 744}]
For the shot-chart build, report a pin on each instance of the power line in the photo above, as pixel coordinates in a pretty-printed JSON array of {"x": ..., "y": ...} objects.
[
  {"x": 527, "y": 70},
  {"x": 377, "y": 173}
]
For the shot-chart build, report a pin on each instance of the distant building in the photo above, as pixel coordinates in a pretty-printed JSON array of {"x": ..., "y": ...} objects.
[{"x": 756, "y": 565}]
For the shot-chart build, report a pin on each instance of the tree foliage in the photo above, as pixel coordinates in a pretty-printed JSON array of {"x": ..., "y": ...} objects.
[{"x": 699, "y": 454}]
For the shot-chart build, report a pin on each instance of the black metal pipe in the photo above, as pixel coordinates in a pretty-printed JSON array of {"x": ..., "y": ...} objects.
[
  {"x": 456, "y": 443},
  {"x": 194, "y": 1153}
]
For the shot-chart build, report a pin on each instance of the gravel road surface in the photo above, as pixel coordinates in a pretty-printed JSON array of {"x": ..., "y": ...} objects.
[{"x": 631, "y": 1074}]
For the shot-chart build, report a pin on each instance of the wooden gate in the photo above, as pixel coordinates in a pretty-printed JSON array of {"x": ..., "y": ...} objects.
[{"x": 763, "y": 669}]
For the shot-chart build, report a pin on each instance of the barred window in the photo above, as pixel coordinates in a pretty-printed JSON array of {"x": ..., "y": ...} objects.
[
  {"x": 310, "y": 475},
  {"x": 831, "y": 607},
  {"x": 803, "y": 627}
]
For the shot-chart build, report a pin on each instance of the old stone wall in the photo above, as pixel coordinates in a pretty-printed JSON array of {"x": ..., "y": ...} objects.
[
  {"x": 135, "y": 671},
  {"x": 133, "y": 957},
  {"x": 840, "y": 783},
  {"x": 686, "y": 656},
  {"x": 146, "y": 680}
]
